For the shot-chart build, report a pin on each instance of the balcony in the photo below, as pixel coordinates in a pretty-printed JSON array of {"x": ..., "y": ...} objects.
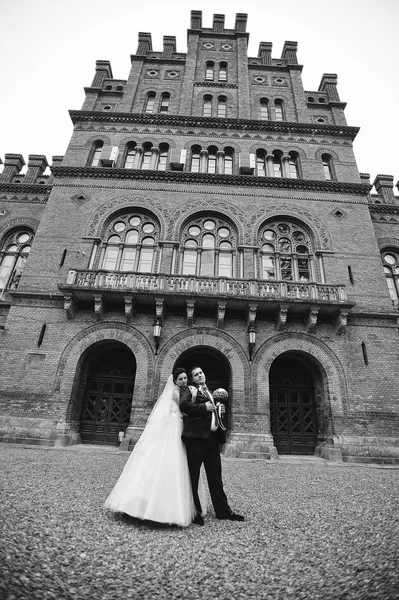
[{"x": 251, "y": 297}]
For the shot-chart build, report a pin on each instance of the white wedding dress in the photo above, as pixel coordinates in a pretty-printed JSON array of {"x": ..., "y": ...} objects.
[{"x": 155, "y": 482}]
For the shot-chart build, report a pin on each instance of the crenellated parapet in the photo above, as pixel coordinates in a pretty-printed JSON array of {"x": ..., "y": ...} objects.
[{"x": 13, "y": 177}]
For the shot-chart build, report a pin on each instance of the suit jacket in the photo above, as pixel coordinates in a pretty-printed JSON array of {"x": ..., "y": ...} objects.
[{"x": 197, "y": 419}]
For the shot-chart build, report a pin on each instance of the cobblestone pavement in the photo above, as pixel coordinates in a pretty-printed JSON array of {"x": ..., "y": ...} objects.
[{"x": 313, "y": 530}]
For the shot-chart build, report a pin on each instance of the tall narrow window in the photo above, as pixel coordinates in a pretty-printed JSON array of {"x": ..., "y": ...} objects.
[
  {"x": 228, "y": 161},
  {"x": 279, "y": 110},
  {"x": 277, "y": 164},
  {"x": 209, "y": 71},
  {"x": 207, "y": 108},
  {"x": 195, "y": 159},
  {"x": 96, "y": 153},
  {"x": 212, "y": 159},
  {"x": 164, "y": 106},
  {"x": 390, "y": 260},
  {"x": 130, "y": 155},
  {"x": 264, "y": 109},
  {"x": 222, "y": 106},
  {"x": 163, "y": 157},
  {"x": 146, "y": 255},
  {"x": 223, "y": 71},
  {"x": 190, "y": 258},
  {"x": 13, "y": 256},
  {"x": 208, "y": 256},
  {"x": 293, "y": 165},
  {"x": 327, "y": 167},
  {"x": 146, "y": 158},
  {"x": 261, "y": 163},
  {"x": 150, "y": 103}
]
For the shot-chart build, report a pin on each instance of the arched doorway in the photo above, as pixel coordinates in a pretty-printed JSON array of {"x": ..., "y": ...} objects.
[
  {"x": 107, "y": 398},
  {"x": 215, "y": 367},
  {"x": 292, "y": 407}
]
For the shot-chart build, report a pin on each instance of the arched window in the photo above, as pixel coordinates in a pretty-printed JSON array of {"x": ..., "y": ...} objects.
[
  {"x": 164, "y": 106},
  {"x": 96, "y": 153},
  {"x": 208, "y": 248},
  {"x": 207, "y": 108},
  {"x": 209, "y": 71},
  {"x": 146, "y": 158},
  {"x": 13, "y": 256},
  {"x": 223, "y": 71},
  {"x": 279, "y": 110},
  {"x": 149, "y": 103},
  {"x": 129, "y": 244},
  {"x": 264, "y": 109},
  {"x": 286, "y": 252},
  {"x": 293, "y": 165},
  {"x": 261, "y": 169},
  {"x": 130, "y": 155},
  {"x": 211, "y": 164},
  {"x": 228, "y": 161},
  {"x": 195, "y": 159},
  {"x": 327, "y": 167},
  {"x": 390, "y": 260},
  {"x": 163, "y": 157},
  {"x": 277, "y": 164},
  {"x": 222, "y": 106}
]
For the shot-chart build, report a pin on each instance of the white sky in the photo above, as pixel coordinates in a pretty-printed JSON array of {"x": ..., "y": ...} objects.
[{"x": 49, "y": 48}]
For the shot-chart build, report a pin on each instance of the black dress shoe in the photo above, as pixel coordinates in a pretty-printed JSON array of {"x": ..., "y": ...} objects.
[
  {"x": 233, "y": 517},
  {"x": 198, "y": 520}
]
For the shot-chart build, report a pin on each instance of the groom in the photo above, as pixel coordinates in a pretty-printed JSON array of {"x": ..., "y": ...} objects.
[{"x": 202, "y": 434}]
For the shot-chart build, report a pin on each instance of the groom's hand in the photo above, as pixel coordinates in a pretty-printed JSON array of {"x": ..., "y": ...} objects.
[{"x": 209, "y": 406}]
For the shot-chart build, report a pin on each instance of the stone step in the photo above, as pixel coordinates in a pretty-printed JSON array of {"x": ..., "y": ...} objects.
[{"x": 264, "y": 455}]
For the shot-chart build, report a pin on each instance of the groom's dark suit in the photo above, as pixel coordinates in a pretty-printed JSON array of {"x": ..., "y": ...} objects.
[{"x": 202, "y": 446}]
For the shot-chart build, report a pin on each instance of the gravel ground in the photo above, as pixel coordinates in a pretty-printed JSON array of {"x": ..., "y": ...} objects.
[{"x": 313, "y": 531}]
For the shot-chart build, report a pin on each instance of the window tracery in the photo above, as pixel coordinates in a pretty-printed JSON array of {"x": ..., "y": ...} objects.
[
  {"x": 390, "y": 261},
  {"x": 13, "y": 256}
]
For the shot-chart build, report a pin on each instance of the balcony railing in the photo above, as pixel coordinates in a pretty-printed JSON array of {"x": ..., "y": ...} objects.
[{"x": 117, "y": 281}]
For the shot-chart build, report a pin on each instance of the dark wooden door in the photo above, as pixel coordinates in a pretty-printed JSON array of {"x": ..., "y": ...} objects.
[
  {"x": 107, "y": 398},
  {"x": 292, "y": 408}
]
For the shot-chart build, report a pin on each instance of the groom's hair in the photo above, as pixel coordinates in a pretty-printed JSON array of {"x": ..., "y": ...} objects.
[{"x": 191, "y": 371}]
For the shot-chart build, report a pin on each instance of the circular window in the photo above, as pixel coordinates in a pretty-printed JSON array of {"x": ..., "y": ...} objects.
[
  {"x": 119, "y": 226},
  {"x": 269, "y": 234},
  {"x": 148, "y": 227},
  {"x": 24, "y": 237},
  {"x": 135, "y": 221},
  {"x": 390, "y": 259},
  {"x": 298, "y": 236},
  {"x": 209, "y": 225},
  {"x": 194, "y": 230},
  {"x": 283, "y": 228},
  {"x": 224, "y": 232}
]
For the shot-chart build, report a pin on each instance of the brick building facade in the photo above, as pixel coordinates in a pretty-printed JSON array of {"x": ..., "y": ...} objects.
[{"x": 208, "y": 210}]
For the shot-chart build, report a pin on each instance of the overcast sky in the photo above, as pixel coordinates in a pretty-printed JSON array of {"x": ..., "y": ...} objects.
[{"x": 49, "y": 48}]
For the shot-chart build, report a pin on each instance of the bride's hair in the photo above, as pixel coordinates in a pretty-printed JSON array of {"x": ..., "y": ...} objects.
[{"x": 178, "y": 372}]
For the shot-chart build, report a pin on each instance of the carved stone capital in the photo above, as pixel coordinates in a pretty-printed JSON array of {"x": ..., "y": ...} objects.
[
  {"x": 70, "y": 305},
  {"x": 190, "y": 312},
  {"x": 221, "y": 314},
  {"x": 129, "y": 308},
  {"x": 99, "y": 306},
  {"x": 282, "y": 317},
  {"x": 340, "y": 322},
  {"x": 311, "y": 321}
]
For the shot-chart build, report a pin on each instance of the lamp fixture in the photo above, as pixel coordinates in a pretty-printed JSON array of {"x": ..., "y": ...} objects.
[
  {"x": 252, "y": 341},
  {"x": 157, "y": 334}
]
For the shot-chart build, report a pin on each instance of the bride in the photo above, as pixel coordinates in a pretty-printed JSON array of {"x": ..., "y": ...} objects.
[{"x": 155, "y": 482}]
